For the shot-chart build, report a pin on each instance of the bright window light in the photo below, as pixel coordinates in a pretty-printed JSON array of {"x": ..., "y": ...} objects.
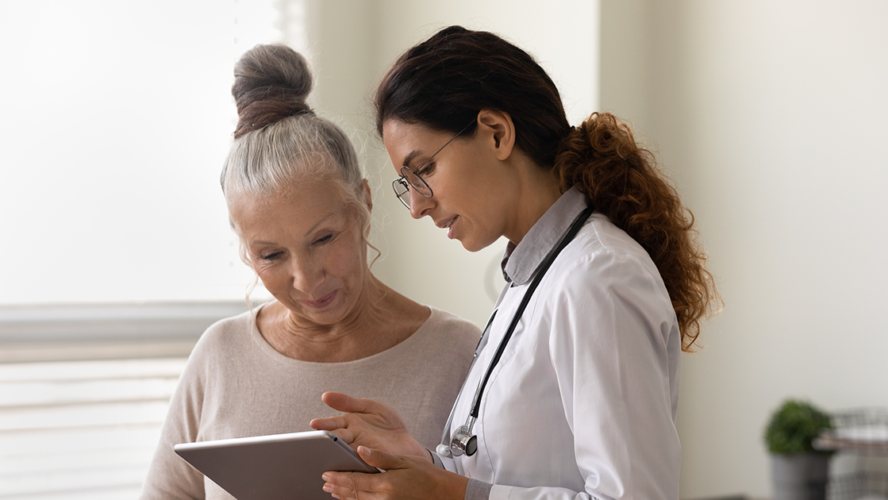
[{"x": 116, "y": 117}]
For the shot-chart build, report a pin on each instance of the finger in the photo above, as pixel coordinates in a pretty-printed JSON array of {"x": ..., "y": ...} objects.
[
  {"x": 345, "y": 403},
  {"x": 329, "y": 423},
  {"x": 339, "y": 492},
  {"x": 381, "y": 459},
  {"x": 350, "y": 484},
  {"x": 342, "y": 493},
  {"x": 345, "y": 435}
]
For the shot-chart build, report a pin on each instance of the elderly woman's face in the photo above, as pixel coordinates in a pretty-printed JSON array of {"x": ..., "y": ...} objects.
[{"x": 307, "y": 248}]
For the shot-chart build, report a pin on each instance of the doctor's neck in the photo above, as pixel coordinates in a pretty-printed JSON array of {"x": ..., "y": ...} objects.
[{"x": 536, "y": 190}]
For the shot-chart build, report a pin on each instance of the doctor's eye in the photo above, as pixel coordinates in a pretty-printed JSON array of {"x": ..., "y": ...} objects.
[{"x": 426, "y": 169}]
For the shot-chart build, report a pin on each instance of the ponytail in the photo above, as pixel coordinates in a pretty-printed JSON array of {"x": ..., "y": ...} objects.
[{"x": 622, "y": 180}]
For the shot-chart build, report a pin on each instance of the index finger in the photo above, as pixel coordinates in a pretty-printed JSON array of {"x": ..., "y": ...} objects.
[
  {"x": 329, "y": 423},
  {"x": 347, "y": 404}
]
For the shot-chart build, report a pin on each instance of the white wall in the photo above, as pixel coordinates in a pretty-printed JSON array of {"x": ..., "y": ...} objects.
[
  {"x": 418, "y": 259},
  {"x": 772, "y": 117}
]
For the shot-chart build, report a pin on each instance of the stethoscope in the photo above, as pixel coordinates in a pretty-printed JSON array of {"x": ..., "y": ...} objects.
[{"x": 463, "y": 441}]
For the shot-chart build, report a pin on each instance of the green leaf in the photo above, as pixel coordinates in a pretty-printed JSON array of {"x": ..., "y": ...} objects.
[{"x": 794, "y": 426}]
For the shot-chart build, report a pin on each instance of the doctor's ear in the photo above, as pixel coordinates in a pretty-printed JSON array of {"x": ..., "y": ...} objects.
[{"x": 497, "y": 127}]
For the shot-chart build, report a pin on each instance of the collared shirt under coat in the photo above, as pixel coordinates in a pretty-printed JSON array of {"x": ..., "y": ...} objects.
[{"x": 582, "y": 403}]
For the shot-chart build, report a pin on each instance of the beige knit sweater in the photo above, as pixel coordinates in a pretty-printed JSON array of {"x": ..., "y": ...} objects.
[{"x": 236, "y": 385}]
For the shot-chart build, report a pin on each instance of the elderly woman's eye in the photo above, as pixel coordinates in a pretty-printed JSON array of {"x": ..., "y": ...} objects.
[
  {"x": 323, "y": 239},
  {"x": 270, "y": 256}
]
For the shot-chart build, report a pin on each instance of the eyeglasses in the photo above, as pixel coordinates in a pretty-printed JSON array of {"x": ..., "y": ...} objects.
[{"x": 411, "y": 178}]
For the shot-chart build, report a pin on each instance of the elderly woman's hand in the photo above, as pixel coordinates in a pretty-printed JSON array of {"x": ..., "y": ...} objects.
[
  {"x": 405, "y": 478},
  {"x": 369, "y": 423}
]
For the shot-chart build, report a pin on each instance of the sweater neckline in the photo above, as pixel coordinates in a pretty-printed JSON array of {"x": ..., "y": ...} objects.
[{"x": 259, "y": 341}]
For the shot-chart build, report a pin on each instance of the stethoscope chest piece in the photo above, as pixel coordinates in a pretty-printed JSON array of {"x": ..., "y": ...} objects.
[{"x": 463, "y": 441}]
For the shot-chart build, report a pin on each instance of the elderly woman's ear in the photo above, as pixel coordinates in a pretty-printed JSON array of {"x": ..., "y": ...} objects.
[{"x": 367, "y": 198}]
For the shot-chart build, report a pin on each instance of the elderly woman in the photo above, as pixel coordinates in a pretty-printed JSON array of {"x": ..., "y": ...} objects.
[{"x": 301, "y": 208}]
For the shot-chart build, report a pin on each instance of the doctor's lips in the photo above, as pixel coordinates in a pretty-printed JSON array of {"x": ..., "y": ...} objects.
[
  {"x": 447, "y": 224},
  {"x": 322, "y": 302}
]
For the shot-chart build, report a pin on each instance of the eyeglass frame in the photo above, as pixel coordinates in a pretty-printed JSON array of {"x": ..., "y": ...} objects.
[{"x": 406, "y": 184}]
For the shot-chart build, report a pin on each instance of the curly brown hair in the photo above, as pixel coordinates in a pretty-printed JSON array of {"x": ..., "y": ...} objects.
[
  {"x": 446, "y": 80},
  {"x": 622, "y": 180}
]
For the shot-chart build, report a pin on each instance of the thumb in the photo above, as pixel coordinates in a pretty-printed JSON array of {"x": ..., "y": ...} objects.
[{"x": 381, "y": 459}]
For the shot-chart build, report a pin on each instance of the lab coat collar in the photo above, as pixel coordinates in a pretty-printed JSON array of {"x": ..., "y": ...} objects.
[{"x": 521, "y": 262}]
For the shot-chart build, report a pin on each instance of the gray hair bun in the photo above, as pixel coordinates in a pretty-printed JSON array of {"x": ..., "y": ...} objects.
[{"x": 271, "y": 82}]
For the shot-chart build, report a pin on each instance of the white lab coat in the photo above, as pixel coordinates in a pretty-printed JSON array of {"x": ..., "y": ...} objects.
[{"x": 582, "y": 404}]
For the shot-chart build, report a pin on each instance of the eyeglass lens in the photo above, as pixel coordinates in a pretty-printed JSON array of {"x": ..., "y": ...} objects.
[
  {"x": 410, "y": 180},
  {"x": 402, "y": 191},
  {"x": 416, "y": 182}
]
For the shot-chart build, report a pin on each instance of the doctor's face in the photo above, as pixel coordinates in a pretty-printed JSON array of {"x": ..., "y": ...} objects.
[
  {"x": 464, "y": 178},
  {"x": 306, "y": 246}
]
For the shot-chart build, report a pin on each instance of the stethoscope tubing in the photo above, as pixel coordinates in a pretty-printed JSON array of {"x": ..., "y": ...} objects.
[
  {"x": 445, "y": 436},
  {"x": 476, "y": 401}
]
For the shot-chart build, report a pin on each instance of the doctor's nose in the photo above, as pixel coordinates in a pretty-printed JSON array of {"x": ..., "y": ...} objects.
[{"x": 419, "y": 204}]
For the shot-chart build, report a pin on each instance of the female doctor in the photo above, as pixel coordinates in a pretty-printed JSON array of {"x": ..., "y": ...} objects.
[{"x": 574, "y": 388}]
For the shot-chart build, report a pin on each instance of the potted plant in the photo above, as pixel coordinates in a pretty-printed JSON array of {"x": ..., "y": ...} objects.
[{"x": 798, "y": 471}]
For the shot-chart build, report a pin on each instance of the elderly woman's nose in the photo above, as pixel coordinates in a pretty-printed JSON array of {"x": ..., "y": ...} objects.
[{"x": 306, "y": 274}]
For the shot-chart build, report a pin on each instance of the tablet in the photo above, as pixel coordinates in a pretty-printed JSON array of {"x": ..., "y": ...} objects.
[{"x": 273, "y": 467}]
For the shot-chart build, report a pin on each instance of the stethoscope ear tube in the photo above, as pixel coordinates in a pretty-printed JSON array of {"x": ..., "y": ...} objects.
[{"x": 462, "y": 441}]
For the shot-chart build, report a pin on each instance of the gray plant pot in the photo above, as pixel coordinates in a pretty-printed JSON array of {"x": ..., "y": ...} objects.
[{"x": 800, "y": 477}]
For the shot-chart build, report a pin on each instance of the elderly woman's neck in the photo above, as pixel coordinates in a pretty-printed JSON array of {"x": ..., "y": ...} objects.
[{"x": 381, "y": 319}]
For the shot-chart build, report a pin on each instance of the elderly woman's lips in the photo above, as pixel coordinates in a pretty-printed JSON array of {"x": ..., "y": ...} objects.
[{"x": 322, "y": 302}]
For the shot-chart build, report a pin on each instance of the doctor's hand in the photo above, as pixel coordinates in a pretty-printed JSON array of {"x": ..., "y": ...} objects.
[
  {"x": 405, "y": 478},
  {"x": 369, "y": 423}
]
